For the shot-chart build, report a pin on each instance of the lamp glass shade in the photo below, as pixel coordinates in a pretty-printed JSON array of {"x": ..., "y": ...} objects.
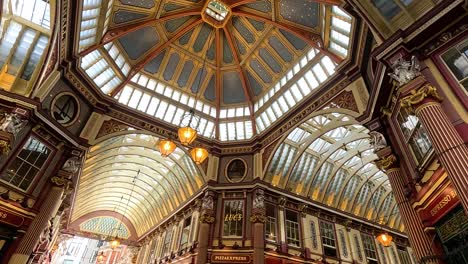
[
  {"x": 385, "y": 239},
  {"x": 100, "y": 258},
  {"x": 187, "y": 135},
  {"x": 166, "y": 147},
  {"x": 115, "y": 243},
  {"x": 199, "y": 155}
]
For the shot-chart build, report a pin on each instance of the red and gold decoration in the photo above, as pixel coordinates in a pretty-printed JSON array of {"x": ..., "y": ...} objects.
[
  {"x": 100, "y": 258},
  {"x": 115, "y": 243}
]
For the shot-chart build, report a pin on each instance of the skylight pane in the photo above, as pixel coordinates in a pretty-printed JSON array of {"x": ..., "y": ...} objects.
[
  {"x": 125, "y": 95},
  {"x": 170, "y": 113},
  {"x": 223, "y": 113},
  {"x": 240, "y": 130},
  {"x": 296, "y": 93},
  {"x": 231, "y": 129},
  {"x": 303, "y": 86},
  {"x": 341, "y": 24},
  {"x": 319, "y": 73},
  {"x": 223, "y": 131},
  {"x": 161, "y": 110},
  {"x": 329, "y": 65},
  {"x": 153, "y": 106},
  {"x": 145, "y": 99},
  {"x": 135, "y": 99}
]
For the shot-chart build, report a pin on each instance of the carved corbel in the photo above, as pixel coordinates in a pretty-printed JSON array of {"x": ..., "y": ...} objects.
[{"x": 418, "y": 95}]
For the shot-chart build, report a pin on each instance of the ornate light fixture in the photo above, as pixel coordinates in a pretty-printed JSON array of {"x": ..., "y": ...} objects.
[
  {"x": 199, "y": 155},
  {"x": 187, "y": 132},
  {"x": 166, "y": 147},
  {"x": 101, "y": 257},
  {"x": 115, "y": 243},
  {"x": 385, "y": 239}
]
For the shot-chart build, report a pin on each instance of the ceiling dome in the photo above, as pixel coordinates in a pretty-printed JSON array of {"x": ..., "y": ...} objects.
[{"x": 234, "y": 62}]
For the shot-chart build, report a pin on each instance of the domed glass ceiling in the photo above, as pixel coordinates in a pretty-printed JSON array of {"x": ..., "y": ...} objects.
[{"x": 162, "y": 58}]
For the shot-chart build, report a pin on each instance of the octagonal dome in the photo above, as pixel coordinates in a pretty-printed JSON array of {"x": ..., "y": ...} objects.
[{"x": 240, "y": 73}]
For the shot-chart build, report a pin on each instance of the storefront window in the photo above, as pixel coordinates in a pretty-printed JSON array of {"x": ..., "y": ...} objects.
[
  {"x": 369, "y": 248},
  {"x": 233, "y": 218},
  {"x": 292, "y": 228},
  {"x": 452, "y": 231},
  {"x": 415, "y": 135},
  {"x": 167, "y": 242},
  {"x": 456, "y": 59},
  {"x": 404, "y": 256},
  {"x": 270, "y": 223},
  {"x": 185, "y": 232},
  {"x": 27, "y": 164},
  {"x": 328, "y": 239}
]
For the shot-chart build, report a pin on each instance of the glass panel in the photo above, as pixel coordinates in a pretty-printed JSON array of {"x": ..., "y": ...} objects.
[{"x": 233, "y": 218}]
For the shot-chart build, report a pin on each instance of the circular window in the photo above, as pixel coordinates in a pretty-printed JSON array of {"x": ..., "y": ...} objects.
[
  {"x": 65, "y": 108},
  {"x": 236, "y": 170}
]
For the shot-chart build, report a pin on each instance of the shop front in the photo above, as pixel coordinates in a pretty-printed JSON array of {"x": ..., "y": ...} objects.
[
  {"x": 452, "y": 231},
  {"x": 10, "y": 222}
]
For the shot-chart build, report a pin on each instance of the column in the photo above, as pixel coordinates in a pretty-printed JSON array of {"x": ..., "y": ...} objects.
[
  {"x": 258, "y": 221},
  {"x": 447, "y": 143},
  {"x": 48, "y": 210},
  {"x": 419, "y": 240},
  {"x": 206, "y": 219}
]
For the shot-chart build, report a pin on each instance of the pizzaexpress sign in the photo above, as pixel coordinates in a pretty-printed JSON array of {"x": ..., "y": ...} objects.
[{"x": 228, "y": 258}]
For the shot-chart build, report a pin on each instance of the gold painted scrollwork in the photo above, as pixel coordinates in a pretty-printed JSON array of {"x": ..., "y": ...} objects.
[
  {"x": 207, "y": 219},
  {"x": 418, "y": 95},
  {"x": 387, "y": 162},
  {"x": 60, "y": 181},
  {"x": 258, "y": 218},
  {"x": 4, "y": 147}
]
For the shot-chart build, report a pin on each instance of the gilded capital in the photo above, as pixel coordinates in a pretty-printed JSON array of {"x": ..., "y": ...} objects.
[
  {"x": 207, "y": 219},
  {"x": 258, "y": 218},
  {"x": 387, "y": 162},
  {"x": 418, "y": 95}
]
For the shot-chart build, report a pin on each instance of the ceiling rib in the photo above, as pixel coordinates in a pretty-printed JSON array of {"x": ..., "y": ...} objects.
[
  {"x": 218, "y": 79},
  {"x": 140, "y": 64},
  {"x": 242, "y": 77},
  {"x": 310, "y": 38},
  {"x": 234, "y": 3},
  {"x": 124, "y": 30},
  {"x": 328, "y": 2}
]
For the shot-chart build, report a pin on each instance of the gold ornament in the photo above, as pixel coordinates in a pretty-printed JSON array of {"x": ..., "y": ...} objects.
[
  {"x": 258, "y": 218},
  {"x": 386, "y": 162},
  {"x": 417, "y": 96},
  {"x": 208, "y": 219}
]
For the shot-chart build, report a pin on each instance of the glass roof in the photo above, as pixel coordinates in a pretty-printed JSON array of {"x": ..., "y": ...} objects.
[
  {"x": 126, "y": 174},
  {"x": 329, "y": 159},
  {"x": 25, "y": 33},
  {"x": 188, "y": 64}
]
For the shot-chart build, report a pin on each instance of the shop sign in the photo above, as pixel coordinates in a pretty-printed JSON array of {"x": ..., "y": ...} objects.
[
  {"x": 456, "y": 224},
  {"x": 233, "y": 218},
  {"x": 439, "y": 207},
  {"x": 10, "y": 218},
  {"x": 229, "y": 258}
]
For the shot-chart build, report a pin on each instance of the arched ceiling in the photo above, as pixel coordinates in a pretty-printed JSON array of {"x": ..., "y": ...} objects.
[
  {"x": 329, "y": 159},
  {"x": 127, "y": 175},
  {"x": 156, "y": 56}
]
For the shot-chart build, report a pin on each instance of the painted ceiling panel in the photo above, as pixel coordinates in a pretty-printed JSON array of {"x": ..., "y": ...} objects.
[
  {"x": 186, "y": 38},
  {"x": 227, "y": 51},
  {"x": 155, "y": 63},
  {"x": 232, "y": 88},
  {"x": 171, "y": 7},
  {"x": 185, "y": 74},
  {"x": 269, "y": 60},
  {"x": 199, "y": 79},
  {"x": 279, "y": 47},
  {"x": 123, "y": 16},
  {"x": 139, "y": 3},
  {"x": 202, "y": 38},
  {"x": 174, "y": 24},
  {"x": 303, "y": 12},
  {"x": 210, "y": 90},
  {"x": 262, "y": 6},
  {"x": 171, "y": 66},
  {"x": 147, "y": 38},
  {"x": 243, "y": 30},
  {"x": 254, "y": 85},
  {"x": 298, "y": 43},
  {"x": 260, "y": 71},
  {"x": 258, "y": 25}
]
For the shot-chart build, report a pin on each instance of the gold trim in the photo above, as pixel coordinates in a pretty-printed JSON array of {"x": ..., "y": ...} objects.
[
  {"x": 258, "y": 218},
  {"x": 387, "y": 162},
  {"x": 17, "y": 209},
  {"x": 243, "y": 176},
  {"x": 417, "y": 96},
  {"x": 430, "y": 193}
]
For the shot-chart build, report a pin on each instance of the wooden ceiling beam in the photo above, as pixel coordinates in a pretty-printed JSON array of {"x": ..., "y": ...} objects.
[
  {"x": 313, "y": 39},
  {"x": 153, "y": 54},
  {"x": 328, "y": 2},
  {"x": 124, "y": 30},
  {"x": 247, "y": 92},
  {"x": 234, "y": 3}
]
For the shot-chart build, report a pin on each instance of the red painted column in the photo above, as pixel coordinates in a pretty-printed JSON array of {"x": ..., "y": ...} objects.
[
  {"x": 257, "y": 219},
  {"x": 447, "y": 143},
  {"x": 421, "y": 242},
  {"x": 48, "y": 210},
  {"x": 206, "y": 219}
]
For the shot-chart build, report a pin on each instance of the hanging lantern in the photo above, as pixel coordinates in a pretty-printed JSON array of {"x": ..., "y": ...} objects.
[
  {"x": 166, "y": 147},
  {"x": 385, "y": 239},
  {"x": 187, "y": 135},
  {"x": 199, "y": 155},
  {"x": 100, "y": 257},
  {"x": 115, "y": 243}
]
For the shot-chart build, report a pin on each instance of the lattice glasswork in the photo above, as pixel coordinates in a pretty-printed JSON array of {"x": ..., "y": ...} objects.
[{"x": 108, "y": 226}]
